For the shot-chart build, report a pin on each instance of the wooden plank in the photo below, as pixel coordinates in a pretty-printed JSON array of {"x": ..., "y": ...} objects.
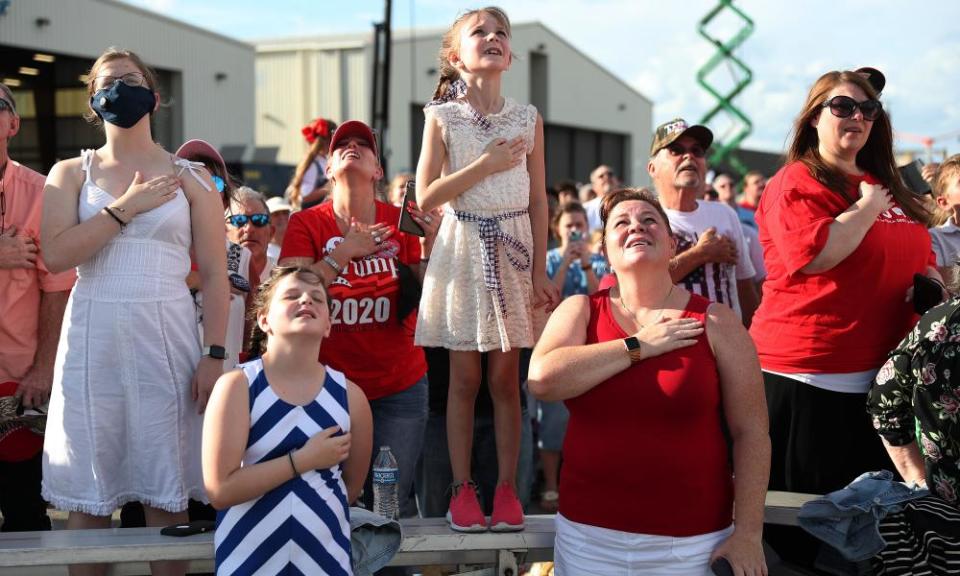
[
  {"x": 782, "y": 507},
  {"x": 107, "y": 545},
  {"x": 426, "y": 541}
]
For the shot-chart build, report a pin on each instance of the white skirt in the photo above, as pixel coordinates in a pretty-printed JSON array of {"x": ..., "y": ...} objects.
[
  {"x": 122, "y": 425},
  {"x": 583, "y": 549}
]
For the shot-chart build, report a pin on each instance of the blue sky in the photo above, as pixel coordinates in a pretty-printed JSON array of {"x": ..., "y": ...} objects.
[{"x": 653, "y": 45}]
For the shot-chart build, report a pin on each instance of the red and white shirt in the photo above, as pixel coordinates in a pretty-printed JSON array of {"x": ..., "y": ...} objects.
[
  {"x": 845, "y": 319},
  {"x": 367, "y": 341}
]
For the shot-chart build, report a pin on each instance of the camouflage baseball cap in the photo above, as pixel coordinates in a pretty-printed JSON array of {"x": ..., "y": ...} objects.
[{"x": 667, "y": 132}]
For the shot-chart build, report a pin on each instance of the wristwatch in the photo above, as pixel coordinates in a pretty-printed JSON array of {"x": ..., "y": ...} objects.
[
  {"x": 215, "y": 352},
  {"x": 633, "y": 348}
]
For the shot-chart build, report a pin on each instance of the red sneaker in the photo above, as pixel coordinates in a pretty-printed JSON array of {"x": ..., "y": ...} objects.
[
  {"x": 507, "y": 512},
  {"x": 465, "y": 514}
]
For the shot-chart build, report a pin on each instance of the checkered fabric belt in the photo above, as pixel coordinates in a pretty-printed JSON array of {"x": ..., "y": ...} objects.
[{"x": 490, "y": 235}]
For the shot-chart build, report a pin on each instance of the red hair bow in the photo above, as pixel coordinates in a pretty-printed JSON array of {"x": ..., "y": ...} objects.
[{"x": 318, "y": 127}]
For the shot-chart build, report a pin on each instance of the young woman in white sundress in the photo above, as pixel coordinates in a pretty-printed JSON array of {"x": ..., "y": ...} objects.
[
  {"x": 131, "y": 377},
  {"x": 286, "y": 442},
  {"x": 482, "y": 159}
]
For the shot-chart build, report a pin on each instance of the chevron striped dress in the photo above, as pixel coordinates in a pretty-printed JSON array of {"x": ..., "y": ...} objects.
[{"x": 301, "y": 526}]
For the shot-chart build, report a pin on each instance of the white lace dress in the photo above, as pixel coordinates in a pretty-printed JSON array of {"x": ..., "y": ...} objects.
[
  {"x": 477, "y": 292},
  {"x": 122, "y": 425}
]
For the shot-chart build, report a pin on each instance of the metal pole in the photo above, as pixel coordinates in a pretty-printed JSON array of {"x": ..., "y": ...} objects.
[{"x": 385, "y": 100}]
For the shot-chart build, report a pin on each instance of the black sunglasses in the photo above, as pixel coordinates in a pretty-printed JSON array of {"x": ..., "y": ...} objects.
[
  {"x": 240, "y": 220},
  {"x": 696, "y": 150},
  {"x": 4, "y": 105},
  {"x": 845, "y": 106}
]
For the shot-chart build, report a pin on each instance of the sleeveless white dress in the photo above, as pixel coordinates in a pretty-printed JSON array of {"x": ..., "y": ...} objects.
[
  {"x": 460, "y": 309},
  {"x": 122, "y": 425}
]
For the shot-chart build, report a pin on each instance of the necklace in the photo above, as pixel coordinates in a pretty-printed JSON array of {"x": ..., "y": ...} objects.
[
  {"x": 659, "y": 314},
  {"x": 343, "y": 222}
]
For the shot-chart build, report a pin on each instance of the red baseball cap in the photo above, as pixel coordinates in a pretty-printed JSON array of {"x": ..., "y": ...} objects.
[{"x": 354, "y": 129}]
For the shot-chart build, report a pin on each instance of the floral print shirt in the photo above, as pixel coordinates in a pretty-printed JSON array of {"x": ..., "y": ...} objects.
[{"x": 916, "y": 395}]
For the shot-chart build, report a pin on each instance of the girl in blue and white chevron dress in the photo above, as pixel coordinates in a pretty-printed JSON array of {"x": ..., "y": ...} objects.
[{"x": 284, "y": 457}]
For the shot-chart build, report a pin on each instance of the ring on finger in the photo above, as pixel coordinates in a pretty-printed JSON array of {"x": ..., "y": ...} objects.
[
  {"x": 377, "y": 239},
  {"x": 427, "y": 219}
]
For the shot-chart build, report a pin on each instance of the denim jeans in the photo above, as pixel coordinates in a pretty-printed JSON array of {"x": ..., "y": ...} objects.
[
  {"x": 399, "y": 421},
  {"x": 435, "y": 475},
  {"x": 374, "y": 541},
  {"x": 849, "y": 519}
]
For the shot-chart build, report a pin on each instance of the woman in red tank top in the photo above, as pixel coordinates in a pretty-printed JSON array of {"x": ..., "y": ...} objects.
[{"x": 649, "y": 373}]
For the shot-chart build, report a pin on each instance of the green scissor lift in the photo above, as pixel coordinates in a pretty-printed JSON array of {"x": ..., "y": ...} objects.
[{"x": 723, "y": 151}]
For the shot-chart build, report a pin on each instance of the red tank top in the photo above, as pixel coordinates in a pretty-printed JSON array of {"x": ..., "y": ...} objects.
[{"x": 644, "y": 451}]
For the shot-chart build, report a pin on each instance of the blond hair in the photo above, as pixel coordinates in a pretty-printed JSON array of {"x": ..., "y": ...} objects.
[{"x": 450, "y": 45}]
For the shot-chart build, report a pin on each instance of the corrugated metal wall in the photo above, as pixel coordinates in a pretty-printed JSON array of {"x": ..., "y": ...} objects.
[
  {"x": 572, "y": 80},
  {"x": 298, "y": 83},
  {"x": 216, "y": 110}
]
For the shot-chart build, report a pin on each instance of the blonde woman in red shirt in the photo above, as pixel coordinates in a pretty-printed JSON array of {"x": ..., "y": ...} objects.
[{"x": 371, "y": 271}]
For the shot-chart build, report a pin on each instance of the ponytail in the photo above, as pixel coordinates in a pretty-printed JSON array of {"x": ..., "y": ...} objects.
[{"x": 447, "y": 78}]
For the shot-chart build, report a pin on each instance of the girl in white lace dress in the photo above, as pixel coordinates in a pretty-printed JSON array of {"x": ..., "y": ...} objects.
[
  {"x": 482, "y": 159},
  {"x": 129, "y": 381}
]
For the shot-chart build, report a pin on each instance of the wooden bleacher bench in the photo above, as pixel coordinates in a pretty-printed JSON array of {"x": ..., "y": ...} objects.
[{"x": 426, "y": 541}]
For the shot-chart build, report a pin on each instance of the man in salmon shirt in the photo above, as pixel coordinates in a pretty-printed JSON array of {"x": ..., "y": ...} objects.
[{"x": 31, "y": 311}]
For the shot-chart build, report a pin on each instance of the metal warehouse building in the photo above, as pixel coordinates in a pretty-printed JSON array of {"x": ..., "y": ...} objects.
[
  {"x": 590, "y": 115},
  {"x": 46, "y": 46}
]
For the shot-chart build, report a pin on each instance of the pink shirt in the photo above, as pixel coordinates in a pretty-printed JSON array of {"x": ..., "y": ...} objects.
[{"x": 20, "y": 287}]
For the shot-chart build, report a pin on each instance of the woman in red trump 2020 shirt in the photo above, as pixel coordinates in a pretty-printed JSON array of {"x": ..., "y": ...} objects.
[{"x": 352, "y": 241}]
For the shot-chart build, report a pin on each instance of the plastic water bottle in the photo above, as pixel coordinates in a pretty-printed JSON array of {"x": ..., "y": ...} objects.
[{"x": 386, "y": 484}]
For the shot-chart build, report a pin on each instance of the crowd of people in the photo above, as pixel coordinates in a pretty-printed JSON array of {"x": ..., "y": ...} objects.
[{"x": 675, "y": 352}]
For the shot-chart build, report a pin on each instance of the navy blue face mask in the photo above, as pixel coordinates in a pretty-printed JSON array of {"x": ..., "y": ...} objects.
[{"x": 122, "y": 105}]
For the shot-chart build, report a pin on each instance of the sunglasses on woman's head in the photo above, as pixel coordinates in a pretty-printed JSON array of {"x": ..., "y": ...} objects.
[
  {"x": 845, "y": 106},
  {"x": 240, "y": 220}
]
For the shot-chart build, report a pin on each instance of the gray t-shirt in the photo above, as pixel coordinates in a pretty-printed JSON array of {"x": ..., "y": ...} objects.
[{"x": 946, "y": 243}]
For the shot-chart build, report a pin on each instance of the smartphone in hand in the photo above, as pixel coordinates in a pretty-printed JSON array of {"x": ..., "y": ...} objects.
[
  {"x": 927, "y": 293},
  {"x": 721, "y": 567},
  {"x": 188, "y": 528},
  {"x": 407, "y": 223},
  {"x": 912, "y": 177}
]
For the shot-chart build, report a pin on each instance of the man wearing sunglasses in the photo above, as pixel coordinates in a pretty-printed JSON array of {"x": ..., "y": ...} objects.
[
  {"x": 31, "y": 310},
  {"x": 248, "y": 224},
  {"x": 712, "y": 257}
]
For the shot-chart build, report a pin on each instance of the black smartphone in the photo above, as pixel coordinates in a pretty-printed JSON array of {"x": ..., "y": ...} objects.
[
  {"x": 912, "y": 177},
  {"x": 189, "y": 529},
  {"x": 927, "y": 293},
  {"x": 407, "y": 223},
  {"x": 721, "y": 567}
]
